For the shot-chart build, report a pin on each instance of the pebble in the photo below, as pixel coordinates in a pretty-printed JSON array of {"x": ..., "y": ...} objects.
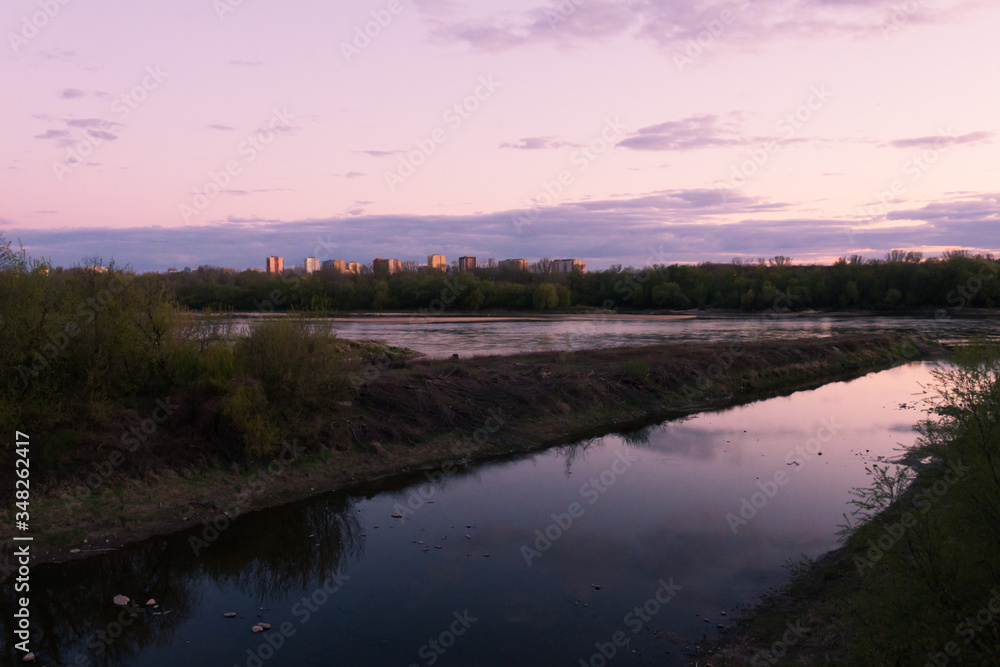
[
  {"x": 255, "y": 629},
  {"x": 266, "y": 626},
  {"x": 120, "y": 600},
  {"x": 230, "y": 614},
  {"x": 150, "y": 602},
  {"x": 28, "y": 657}
]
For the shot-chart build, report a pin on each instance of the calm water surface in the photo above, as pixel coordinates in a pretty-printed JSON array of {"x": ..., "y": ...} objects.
[
  {"x": 438, "y": 338},
  {"x": 650, "y": 509}
]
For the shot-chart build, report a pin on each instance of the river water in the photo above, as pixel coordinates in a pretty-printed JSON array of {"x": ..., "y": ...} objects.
[
  {"x": 442, "y": 337},
  {"x": 548, "y": 559}
]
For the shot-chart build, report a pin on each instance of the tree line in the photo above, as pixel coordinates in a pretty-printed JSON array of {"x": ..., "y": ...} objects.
[{"x": 901, "y": 281}]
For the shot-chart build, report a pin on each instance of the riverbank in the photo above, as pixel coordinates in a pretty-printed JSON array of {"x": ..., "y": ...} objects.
[
  {"x": 397, "y": 413},
  {"x": 916, "y": 581}
]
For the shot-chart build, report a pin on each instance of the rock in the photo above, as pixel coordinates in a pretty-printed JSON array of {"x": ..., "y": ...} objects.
[
  {"x": 595, "y": 587},
  {"x": 28, "y": 657},
  {"x": 150, "y": 602},
  {"x": 454, "y": 356},
  {"x": 722, "y": 613},
  {"x": 120, "y": 600},
  {"x": 266, "y": 626},
  {"x": 255, "y": 629},
  {"x": 230, "y": 614},
  {"x": 74, "y": 551},
  {"x": 396, "y": 516}
]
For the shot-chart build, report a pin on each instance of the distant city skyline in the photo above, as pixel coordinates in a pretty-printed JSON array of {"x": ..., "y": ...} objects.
[{"x": 614, "y": 131}]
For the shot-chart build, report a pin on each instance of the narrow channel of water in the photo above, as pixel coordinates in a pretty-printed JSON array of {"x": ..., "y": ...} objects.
[{"x": 547, "y": 559}]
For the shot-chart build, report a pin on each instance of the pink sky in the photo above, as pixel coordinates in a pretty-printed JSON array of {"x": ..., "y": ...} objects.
[{"x": 209, "y": 133}]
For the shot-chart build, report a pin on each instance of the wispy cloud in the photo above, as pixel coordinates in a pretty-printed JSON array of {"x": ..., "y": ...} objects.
[
  {"x": 694, "y": 132},
  {"x": 221, "y": 127},
  {"x": 538, "y": 143},
  {"x": 71, "y": 93},
  {"x": 380, "y": 153},
  {"x": 944, "y": 140}
]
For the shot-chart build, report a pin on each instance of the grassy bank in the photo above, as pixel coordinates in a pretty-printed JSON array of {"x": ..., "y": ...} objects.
[
  {"x": 918, "y": 579},
  {"x": 240, "y": 437}
]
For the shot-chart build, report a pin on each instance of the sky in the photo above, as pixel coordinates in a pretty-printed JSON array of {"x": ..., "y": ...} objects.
[{"x": 625, "y": 132}]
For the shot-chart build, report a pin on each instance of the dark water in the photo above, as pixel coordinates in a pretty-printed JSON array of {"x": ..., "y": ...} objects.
[
  {"x": 443, "y": 338},
  {"x": 643, "y": 516}
]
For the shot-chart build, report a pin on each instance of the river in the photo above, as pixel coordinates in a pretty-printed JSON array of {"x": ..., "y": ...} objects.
[
  {"x": 443, "y": 336},
  {"x": 624, "y": 549}
]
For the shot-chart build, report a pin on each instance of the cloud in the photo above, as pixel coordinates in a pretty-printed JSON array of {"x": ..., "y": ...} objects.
[
  {"x": 353, "y": 174},
  {"x": 694, "y": 132},
  {"x": 538, "y": 143},
  {"x": 52, "y": 134},
  {"x": 380, "y": 153},
  {"x": 71, "y": 93},
  {"x": 221, "y": 127},
  {"x": 678, "y": 225},
  {"x": 93, "y": 123},
  {"x": 674, "y": 26},
  {"x": 942, "y": 141}
]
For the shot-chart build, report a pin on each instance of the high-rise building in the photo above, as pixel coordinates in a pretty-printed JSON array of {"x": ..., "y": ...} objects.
[
  {"x": 436, "y": 263},
  {"x": 568, "y": 265},
  {"x": 310, "y": 264},
  {"x": 466, "y": 263},
  {"x": 275, "y": 265},
  {"x": 353, "y": 267},
  {"x": 520, "y": 264},
  {"x": 335, "y": 264},
  {"x": 386, "y": 267}
]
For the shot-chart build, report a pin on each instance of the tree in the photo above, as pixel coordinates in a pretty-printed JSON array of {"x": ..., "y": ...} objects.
[{"x": 546, "y": 297}]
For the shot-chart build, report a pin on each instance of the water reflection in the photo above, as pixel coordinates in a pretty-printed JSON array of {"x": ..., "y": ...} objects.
[
  {"x": 654, "y": 504},
  {"x": 264, "y": 556},
  {"x": 440, "y": 339}
]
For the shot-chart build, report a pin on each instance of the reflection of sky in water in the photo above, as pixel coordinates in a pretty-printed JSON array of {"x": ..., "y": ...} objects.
[
  {"x": 442, "y": 339},
  {"x": 664, "y": 517}
]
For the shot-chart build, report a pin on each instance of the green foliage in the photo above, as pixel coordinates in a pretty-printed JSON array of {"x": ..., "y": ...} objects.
[
  {"x": 545, "y": 297},
  {"x": 927, "y": 545},
  {"x": 904, "y": 279},
  {"x": 84, "y": 347}
]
